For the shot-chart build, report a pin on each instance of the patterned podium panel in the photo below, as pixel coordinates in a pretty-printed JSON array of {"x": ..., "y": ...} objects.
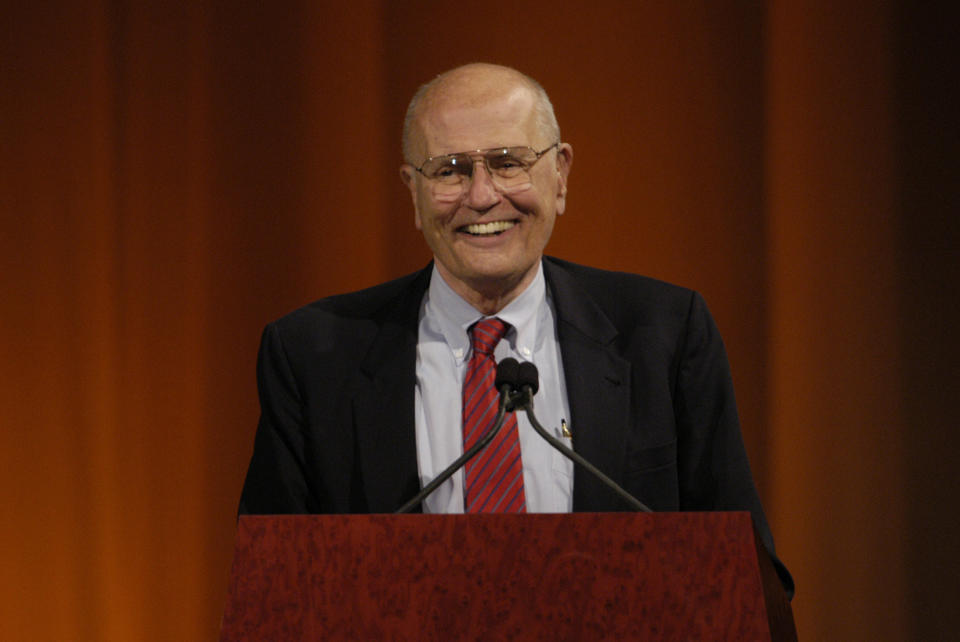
[{"x": 590, "y": 576}]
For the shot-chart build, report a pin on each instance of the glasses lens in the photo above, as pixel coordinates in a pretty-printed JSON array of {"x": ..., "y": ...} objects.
[
  {"x": 510, "y": 161},
  {"x": 510, "y": 167},
  {"x": 450, "y": 170}
]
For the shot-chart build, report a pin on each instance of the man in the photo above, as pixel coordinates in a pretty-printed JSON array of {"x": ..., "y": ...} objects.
[{"x": 366, "y": 397}]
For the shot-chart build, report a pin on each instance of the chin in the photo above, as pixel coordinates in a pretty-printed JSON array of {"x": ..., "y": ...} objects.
[{"x": 497, "y": 272}]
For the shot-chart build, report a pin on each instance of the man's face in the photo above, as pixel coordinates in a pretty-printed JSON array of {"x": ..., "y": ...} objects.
[{"x": 470, "y": 253}]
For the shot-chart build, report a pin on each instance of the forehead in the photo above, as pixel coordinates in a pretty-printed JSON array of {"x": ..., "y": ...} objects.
[{"x": 449, "y": 126}]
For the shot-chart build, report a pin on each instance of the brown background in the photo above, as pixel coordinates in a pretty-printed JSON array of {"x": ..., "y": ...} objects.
[{"x": 174, "y": 177}]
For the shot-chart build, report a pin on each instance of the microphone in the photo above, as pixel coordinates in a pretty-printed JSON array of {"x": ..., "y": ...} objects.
[
  {"x": 505, "y": 382},
  {"x": 528, "y": 381}
]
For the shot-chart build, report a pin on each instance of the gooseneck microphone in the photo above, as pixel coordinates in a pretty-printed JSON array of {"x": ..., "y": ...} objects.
[
  {"x": 505, "y": 382},
  {"x": 528, "y": 382}
]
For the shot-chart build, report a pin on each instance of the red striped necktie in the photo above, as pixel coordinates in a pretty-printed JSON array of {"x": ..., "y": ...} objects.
[{"x": 494, "y": 478}]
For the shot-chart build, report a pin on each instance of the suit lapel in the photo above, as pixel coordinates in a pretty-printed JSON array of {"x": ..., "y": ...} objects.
[
  {"x": 598, "y": 388},
  {"x": 384, "y": 406}
]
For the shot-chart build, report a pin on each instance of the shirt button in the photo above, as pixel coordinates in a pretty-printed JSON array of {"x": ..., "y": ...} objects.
[
  {"x": 458, "y": 353},
  {"x": 525, "y": 352}
]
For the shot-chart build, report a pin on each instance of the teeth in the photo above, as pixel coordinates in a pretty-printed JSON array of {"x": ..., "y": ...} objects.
[{"x": 489, "y": 228}]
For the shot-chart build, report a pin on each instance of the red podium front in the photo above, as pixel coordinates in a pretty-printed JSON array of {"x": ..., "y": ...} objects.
[{"x": 585, "y": 576}]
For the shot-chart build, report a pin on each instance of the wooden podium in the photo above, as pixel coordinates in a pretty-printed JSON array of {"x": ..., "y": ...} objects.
[{"x": 585, "y": 576}]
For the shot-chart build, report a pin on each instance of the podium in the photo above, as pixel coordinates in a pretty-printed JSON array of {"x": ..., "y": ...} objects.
[{"x": 582, "y": 576}]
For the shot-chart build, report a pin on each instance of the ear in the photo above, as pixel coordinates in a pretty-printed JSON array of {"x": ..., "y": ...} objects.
[
  {"x": 409, "y": 177},
  {"x": 564, "y": 162}
]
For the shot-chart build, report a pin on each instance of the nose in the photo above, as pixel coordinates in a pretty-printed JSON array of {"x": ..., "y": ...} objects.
[{"x": 482, "y": 193}]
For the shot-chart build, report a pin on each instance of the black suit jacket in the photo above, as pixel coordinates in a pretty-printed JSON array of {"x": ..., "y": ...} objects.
[{"x": 647, "y": 378}]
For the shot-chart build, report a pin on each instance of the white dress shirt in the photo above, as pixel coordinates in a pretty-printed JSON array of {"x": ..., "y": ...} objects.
[{"x": 443, "y": 352}]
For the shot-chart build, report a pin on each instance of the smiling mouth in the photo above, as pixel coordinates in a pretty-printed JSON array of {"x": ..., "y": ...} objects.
[{"x": 488, "y": 229}]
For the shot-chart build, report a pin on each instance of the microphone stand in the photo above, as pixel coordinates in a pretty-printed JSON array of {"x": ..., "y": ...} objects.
[
  {"x": 505, "y": 400},
  {"x": 527, "y": 404}
]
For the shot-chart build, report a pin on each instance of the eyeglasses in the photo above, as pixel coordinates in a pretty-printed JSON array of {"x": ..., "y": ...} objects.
[{"x": 509, "y": 168}]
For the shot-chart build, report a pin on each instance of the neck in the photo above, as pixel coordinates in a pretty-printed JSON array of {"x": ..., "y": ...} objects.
[{"x": 489, "y": 296}]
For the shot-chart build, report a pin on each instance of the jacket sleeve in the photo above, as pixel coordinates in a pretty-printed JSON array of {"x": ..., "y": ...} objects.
[
  {"x": 276, "y": 480},
  {"x": 713, "y": 469}
]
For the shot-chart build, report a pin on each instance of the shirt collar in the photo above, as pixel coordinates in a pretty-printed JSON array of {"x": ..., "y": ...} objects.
[{"x": 454, "y": 316}]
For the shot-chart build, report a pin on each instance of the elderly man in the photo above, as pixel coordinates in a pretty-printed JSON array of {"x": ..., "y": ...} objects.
[{"x": 366, "y": 397}]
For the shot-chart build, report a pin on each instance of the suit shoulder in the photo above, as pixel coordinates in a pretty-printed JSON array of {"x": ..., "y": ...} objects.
[
  {"x": 369, "y": 303},
  {"x": 346, "y": 324},
  {"x": 627, "y": 293}
]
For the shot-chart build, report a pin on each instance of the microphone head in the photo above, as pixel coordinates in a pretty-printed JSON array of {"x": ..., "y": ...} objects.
[
  {"x": 507, "y": 373},
  {"x": 527, "y": 375}
]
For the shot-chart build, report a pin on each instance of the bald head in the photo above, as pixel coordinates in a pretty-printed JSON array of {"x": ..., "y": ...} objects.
[{"x": 471, "y": 86}]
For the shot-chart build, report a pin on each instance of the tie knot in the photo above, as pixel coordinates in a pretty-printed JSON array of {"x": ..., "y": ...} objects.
[{"x": 485, "y": 334}]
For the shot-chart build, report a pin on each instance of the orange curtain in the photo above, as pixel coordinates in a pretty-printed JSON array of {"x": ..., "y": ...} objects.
[{"x": 173, "y": 178}]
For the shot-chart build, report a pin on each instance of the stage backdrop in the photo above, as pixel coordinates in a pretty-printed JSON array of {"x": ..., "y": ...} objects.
[{"x": 175, "y": 177}]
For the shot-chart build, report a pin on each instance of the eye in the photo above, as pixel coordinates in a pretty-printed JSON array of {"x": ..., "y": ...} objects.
[
  {"x": 506, "y": 163},
  {"x": 449, "y": 169}
]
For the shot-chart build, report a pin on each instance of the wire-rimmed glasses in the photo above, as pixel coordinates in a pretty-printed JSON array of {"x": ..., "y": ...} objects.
[{"x": 450, "y": 175}]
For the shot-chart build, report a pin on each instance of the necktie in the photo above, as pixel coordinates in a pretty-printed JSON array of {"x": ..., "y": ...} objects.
[{"x": 494, "y": 478}]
